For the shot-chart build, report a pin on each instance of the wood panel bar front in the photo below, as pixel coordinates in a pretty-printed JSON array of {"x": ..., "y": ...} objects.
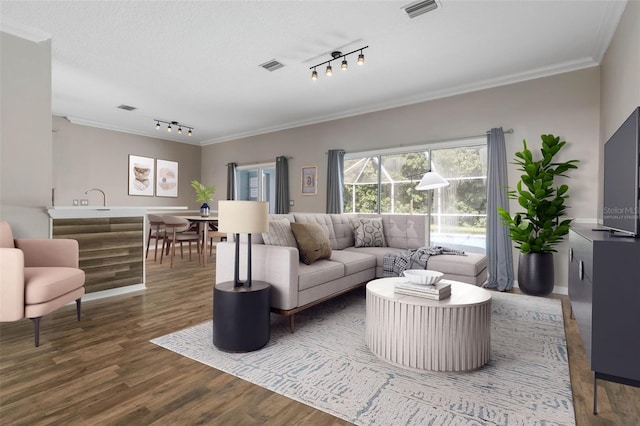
[{"x": 111, "y": 249}]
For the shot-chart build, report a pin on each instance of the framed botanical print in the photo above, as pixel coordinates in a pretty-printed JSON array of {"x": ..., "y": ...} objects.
[
  {"x": 309, "y": 180},
  {"x": 141, "y": 175},
  {"x": 166, "y": 178}
]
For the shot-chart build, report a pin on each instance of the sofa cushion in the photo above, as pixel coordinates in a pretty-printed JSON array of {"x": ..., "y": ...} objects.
[
  {"x": 343, "y": 230},
  {"x": 402, "y": 231},
  {"x": 469, "y": 265},
  {"x": 279, "y": 234},
  {"x": 325, "y": 222},
  {"x": 313, "y": 243},
  {"x": 353, "y": 262},
  {"x": 319, "y": 273},
  {"x": 368, "y": 232},
  {"x": 377, "y": 252}
]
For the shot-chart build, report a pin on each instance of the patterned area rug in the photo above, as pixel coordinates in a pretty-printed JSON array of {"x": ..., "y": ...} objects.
[{"x": 327, "y": 365}]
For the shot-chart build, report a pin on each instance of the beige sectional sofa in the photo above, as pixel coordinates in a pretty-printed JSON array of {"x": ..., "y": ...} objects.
[{"x": 296, "y": 286}]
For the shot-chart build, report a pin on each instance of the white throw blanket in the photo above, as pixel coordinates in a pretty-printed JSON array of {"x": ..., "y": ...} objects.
[{"x": 394, "y": 264}]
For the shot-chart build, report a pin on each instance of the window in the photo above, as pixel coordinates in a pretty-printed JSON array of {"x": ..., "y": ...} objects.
[
  {"x": 257, "y": 183},
  {"x": 385, "y": 182}
]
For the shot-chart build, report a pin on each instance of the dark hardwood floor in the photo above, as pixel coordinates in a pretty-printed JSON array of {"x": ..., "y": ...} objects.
[{"x": 104, "y": 370}]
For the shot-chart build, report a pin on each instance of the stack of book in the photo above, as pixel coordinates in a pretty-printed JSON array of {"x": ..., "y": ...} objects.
[{"x": 439, "y": 291}]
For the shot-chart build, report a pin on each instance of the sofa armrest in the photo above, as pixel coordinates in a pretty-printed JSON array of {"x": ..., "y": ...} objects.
[
  {"x": 11, "y": 284},
  {"x": 53, "y": 252},
  {"x": 275, "y": 265}
]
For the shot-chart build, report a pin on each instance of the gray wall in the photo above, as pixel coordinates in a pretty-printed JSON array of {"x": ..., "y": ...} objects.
[
  {"x": 25, "y": 138},
  {"x": 566, "y": 105},
  {"x": 619, "y": 79},
  {"x": 87, "y": 157}
]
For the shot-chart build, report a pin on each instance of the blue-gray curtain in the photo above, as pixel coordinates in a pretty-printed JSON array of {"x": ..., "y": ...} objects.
[
  {"x": 499, "y": 251},
  {"x": 335, "y": 181},
  {"x": 231, "y": 181},
  {"x": 282, "y": 185}
]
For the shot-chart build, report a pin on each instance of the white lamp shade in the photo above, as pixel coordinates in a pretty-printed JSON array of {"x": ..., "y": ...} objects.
[
  {"x": 431, "y": 180},
  {"x": 243, "y": 217}
]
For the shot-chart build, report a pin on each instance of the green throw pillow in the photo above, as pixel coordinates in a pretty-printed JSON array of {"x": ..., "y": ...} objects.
[{"x": 313, "y": 243}]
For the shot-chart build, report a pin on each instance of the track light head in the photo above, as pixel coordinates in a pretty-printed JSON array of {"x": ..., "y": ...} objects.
[
  {"x": 336, "y": 55},
  {"x": 171, "y": 125}
]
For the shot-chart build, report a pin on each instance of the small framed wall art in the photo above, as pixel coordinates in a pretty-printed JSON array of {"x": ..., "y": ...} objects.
[
  {"x": 141, "y": 175},
  {"x": 309, "y": 180},
  {"x": 166, "y": 178}
]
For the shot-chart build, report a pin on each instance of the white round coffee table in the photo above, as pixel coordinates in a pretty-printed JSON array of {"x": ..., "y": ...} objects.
[{"x": 453, "y": 334}]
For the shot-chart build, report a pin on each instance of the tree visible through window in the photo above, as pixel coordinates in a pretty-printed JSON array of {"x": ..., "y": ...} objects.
[{"x": 386, "y": 183}]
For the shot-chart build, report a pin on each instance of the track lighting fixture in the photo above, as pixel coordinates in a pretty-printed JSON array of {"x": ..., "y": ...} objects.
[
  {"x": 173, "y": 123},
  {"x": 334, "y": 57}
]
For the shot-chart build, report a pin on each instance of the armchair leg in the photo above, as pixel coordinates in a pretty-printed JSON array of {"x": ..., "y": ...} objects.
[
  {"x": 78, "y": 305},
  {"x": 36, "y": 329}
]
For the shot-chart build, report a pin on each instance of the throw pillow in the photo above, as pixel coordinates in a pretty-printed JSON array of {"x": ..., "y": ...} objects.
[
  {"x": 313, "y": 243},
  {"x": 368, "y": 232},
  {"x": 279, "y": 234}
]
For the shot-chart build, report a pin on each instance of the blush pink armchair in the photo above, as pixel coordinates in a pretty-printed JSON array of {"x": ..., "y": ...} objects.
[{"x": 37, "y": 276}]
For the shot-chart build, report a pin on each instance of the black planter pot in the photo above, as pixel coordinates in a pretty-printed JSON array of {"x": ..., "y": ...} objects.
[{"x": 535, "y": 273}]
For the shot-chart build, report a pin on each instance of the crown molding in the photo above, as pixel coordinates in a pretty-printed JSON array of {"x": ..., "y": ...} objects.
[
  {"x": 17, "y": 29},
  {"x": 425, "y": 97},
  {"x": 104, "y": 126},
  {"x": 611, "y": 19}
]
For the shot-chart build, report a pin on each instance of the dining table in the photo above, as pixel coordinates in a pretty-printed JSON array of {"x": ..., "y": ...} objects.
[{"x": 203, "y": 222}]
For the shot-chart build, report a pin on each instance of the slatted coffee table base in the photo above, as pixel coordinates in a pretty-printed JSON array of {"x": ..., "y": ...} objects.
[{"x": 429, "y": 335}]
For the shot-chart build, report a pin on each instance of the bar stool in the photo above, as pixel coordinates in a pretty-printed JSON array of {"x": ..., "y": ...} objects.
[{"x": 176, "y": 231}]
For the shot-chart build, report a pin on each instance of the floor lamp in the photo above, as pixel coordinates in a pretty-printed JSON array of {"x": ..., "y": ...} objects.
[
  {"x": 243, "y": 217},
  {"x": 430, "y": 180}
]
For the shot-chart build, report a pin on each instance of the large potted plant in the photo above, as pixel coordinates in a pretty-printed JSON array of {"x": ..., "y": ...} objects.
[
  {"x": 538, "y": 229},
  {"x": 204, "y": 194}
]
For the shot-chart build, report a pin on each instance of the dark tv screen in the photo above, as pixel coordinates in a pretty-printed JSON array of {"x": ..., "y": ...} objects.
[{"x": 622, "y": 178}]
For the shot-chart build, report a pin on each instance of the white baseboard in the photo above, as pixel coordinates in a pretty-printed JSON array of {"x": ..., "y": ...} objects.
[{"x": 112, "y": 292}]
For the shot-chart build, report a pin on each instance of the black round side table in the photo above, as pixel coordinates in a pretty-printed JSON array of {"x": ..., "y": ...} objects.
[{"x": 241, "y": 316}]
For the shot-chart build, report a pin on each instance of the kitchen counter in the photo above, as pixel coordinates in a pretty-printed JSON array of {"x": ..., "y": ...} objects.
[{"x": 111, "y": 241}]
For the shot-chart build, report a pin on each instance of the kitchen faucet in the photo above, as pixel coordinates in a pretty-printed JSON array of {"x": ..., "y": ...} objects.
[{"x": 104, "y": 196}]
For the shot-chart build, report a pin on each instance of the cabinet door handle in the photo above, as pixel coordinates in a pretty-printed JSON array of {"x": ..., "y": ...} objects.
[
  {"x": 570, "y": 254},
  {"x": 581, "y": 270}
]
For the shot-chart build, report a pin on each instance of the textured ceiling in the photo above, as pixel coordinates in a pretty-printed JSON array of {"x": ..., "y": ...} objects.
[{"x": 197, "y": 62}]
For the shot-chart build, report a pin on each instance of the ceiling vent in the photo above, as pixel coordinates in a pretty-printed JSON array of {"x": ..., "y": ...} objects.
[
  {"x": 272, "y": 65},
  {"x": 420, "y": 7},
  {"x": 127, "y": 107}
]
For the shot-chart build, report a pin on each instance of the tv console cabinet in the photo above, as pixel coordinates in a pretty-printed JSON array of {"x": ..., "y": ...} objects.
[{"x": 604, "y": 290}]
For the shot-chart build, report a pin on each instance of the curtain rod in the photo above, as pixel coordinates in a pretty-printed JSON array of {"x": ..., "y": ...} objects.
[
  {"x": 509, "y": 131},
  {"x": 258, "y": 162}
]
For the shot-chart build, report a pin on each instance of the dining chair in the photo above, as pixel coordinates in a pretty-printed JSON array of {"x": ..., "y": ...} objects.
[
  {"x": 177, "y": 231},
  {"x": 214, "y": 233},
  {"x": 156, "y": 232}
]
